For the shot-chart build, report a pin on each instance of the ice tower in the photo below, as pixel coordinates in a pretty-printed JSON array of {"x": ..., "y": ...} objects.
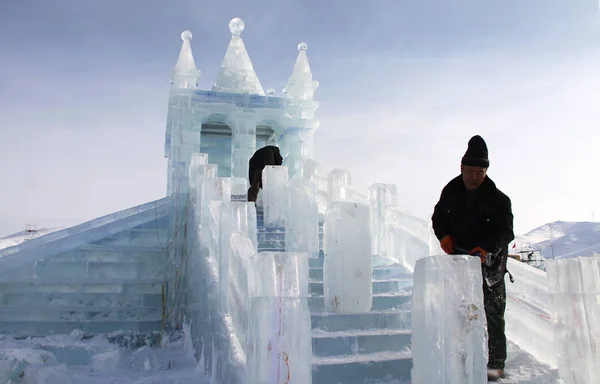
[{"x": 236, "y": 117}]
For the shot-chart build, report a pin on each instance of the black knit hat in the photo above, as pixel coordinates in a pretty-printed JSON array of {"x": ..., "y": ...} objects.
[{"x": 477, "y": 153}]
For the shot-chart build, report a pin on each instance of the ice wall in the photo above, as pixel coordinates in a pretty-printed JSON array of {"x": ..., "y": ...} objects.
[
  {"x": 574, "y": 286},
  {"x": 449, "y": 336},
  {"x": 347, "y": 267}
]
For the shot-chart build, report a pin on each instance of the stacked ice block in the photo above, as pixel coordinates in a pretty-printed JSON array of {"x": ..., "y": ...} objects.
[
  {"x": 449, "y": 338},
  {"x": 275, "y": 179},
  {"x": 302, "y": 218},
  {"x": 574, "y": 286}
]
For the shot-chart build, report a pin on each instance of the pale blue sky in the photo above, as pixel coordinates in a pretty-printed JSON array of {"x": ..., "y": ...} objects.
[{"x": 403, "y": 86}]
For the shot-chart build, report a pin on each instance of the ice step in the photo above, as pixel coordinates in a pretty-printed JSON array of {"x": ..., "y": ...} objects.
[
  {"x": 94, "y": 270},
  {"x": 379, "y": 287},
  {"x": 332, "y": 322},
  {"x": 97, "y": 301},
  {"x": 81, "y": 285},
  {"x": 45, "y": 328},
  {"x": 114, "y": 253},
  {"x": 78, "y": 314},
  {"x": 379, "y": 273},
  {"x": 362, "y": 368},
  {"x": 354, "y": 342},
  {"x": 138, "y": 237},
  {"x": 380, "y": 302}
]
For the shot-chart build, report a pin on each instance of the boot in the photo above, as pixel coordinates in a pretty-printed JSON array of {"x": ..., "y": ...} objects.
[{"x": 495, "y": 374}]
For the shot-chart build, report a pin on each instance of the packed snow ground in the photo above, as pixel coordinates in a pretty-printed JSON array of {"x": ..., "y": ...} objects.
[{"x": 68, "y": 359}]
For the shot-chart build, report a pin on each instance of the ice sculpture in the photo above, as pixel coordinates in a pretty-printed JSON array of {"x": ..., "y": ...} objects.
[
  {"x": 347, "y": 268},
  {"x": 185, "y": 74},
  {"x": 237, "y": 72},
  {"x": 234, "y": 217},
  {"x": 302, "y": 218},
  {"x": 275, "y": 202},
  {"x": 574, "y": 287},
  {"x": 336, "y": 180},
  {"x": 213, "y": 192},
  {"x": 449, "y": 335},
  {"x": 380, "y": 196},
  {"x": 403, "y": 236},
  {"x": 301, "y": 85},
  {"x": 279, "y": 345}
]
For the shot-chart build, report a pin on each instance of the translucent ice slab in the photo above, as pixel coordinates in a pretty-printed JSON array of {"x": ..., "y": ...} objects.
[
  {"x": 279, "y": 329},
  {"x": 275, "y": 179},
  {"x": 449, "y": 336},
  {"x": 302, "y": 220},
  {"x": 574, "y": 286},
  {"x": 347, "y": 268}
]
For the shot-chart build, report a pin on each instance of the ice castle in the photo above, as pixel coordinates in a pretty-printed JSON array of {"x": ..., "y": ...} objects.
[{"x": 313, "y": 284}]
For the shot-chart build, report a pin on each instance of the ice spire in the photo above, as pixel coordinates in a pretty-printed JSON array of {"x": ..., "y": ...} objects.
[
  {"x": 185, "y": 73},
  {"x": 237, "y": 72},
  {"x": 301, "y": 86}
]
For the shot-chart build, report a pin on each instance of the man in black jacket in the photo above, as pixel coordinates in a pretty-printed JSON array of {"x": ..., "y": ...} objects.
[
  {"x": 474, "y": 215},
  {"x": 268, "y": 155}
]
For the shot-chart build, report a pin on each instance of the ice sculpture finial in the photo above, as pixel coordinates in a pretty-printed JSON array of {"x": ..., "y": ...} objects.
[
  {"x": 237, "y": 72},
  {"x": 301, "y": 86},
  {"x": 186, "y": 58},
  {"x": 236, "y": 26},
  {"x": 185, "y": 73}
]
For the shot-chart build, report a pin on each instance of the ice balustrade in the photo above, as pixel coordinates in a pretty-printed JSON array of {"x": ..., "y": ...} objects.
[
  {"x": 449, "y": 335},
  {"x": 528, "y": 321},
  {"x": 574, "y": 287},
  {"x": 238, "y": 299}
]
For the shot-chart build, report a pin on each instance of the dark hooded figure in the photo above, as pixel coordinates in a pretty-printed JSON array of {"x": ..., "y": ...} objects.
[
  {"x": 474, "y": 216},
  {"x": 268, "y": 155}
]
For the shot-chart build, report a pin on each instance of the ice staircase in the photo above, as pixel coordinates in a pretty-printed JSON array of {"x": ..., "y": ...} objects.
[
  {"x": 355, "y": 348},
  {"x": 102, "y": 276}
]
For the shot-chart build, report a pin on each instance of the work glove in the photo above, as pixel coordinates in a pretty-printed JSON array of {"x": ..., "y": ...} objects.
[
  {"x": 448, "y": 244},
  {"x": 482, "y": 253}
]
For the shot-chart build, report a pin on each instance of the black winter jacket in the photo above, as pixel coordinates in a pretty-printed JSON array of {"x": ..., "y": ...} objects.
[
  {"x": 480, "y": 218},
  {"x": 269, "y": 155}
]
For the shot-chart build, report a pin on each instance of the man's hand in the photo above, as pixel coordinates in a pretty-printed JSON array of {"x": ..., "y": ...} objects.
[
  {"x": 448, "y": 244},
  {"x": 482, "y": 253}
]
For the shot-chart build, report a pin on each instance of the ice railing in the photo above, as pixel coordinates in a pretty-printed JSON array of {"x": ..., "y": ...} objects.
[
  {"x": 54, "y": 243},
  {"x": 247, "y": 312}
]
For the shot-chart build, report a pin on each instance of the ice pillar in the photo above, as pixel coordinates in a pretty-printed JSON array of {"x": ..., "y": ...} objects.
[
  {"x": 297, "y": 144},
  {"x": 275, "y": 202},
  {"x": 279, "y": 326},
  {"x": 243, "y": 143},
  {"x": 214, "y": 191},
  {"x": 347, "y": 268},
  {"x": 234, "y": 217},
  {"x": 337, "y": 180},
  {"x": 381, "y": 197},
  {"x": 449, "y": 336},
  {"x": 574, "y": 287},
  {"x": 302, "y": 218}
]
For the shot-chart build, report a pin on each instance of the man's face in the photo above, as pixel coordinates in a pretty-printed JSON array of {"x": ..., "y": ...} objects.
[{"x": 472, "y": 176}]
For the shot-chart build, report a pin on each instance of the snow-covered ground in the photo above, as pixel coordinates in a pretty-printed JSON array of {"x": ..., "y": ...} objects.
[{"x": 68, "y": 359}]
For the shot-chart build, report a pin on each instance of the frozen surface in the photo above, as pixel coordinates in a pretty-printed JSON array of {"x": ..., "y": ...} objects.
[
  {"x": 380, "y": 196},
  {"x": 279, "y": 328},
  {"x": 302, "y": 220},
  {"x": 347, "y": 268},
  {"x": 574, "y": 286},
  {"x": 275, "y": 180},
  {"x": 449, "y": 338}
]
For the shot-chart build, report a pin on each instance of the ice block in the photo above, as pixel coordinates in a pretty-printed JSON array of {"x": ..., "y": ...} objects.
[
  {"x": 234, "y": 217},
  {"x": 449, "y": 329},
  {"x": 336, "y": 180},
  {"x": 279, "y": 329},
  {"x": 574, "y": 287},
  {"x": 380, "y": 196},
  {"x": 347, "y": 268},
  {"x": 302, "y": 218},
  {"x": 275, "y": 202}
]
